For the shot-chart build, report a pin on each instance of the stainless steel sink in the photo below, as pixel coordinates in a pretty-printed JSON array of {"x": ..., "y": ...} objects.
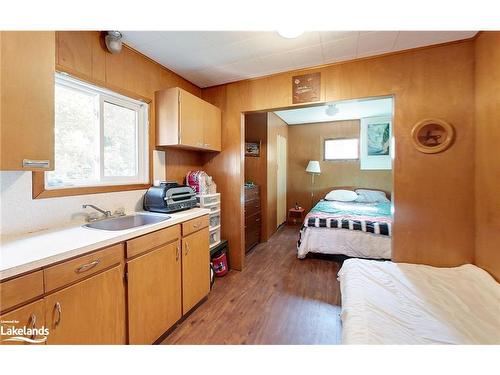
[{"x": 126, "y": 222}]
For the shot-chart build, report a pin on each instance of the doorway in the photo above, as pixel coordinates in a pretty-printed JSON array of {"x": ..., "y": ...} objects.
[
  {"x": 265, "y": 176},
  {"x": 281, "y": 166}
]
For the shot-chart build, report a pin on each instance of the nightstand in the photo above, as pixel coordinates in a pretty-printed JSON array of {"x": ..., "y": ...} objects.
[{"x": 296, "y": 216}]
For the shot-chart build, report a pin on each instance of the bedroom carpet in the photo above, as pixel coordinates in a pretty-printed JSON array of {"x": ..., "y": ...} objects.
[{"x": 276, "y": 299}]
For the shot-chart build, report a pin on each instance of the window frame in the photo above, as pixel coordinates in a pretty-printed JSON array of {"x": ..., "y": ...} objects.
[
  {"x": 116, "y": 96},
  {"x": 340, "y": 139}
]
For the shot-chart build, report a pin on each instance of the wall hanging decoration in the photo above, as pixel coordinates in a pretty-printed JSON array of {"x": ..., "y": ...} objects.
[
  {"x": 252, "y": 148},
  {"x": 432, "y": 135},
  {"x": 306, "y": 88},
  {"x": 376, "y": 143}
]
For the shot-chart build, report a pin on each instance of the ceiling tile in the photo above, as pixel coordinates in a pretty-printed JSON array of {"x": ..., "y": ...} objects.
[
  {"x": 219, "y": 38},
  {"x": 330, "y": 36},
  {"x": 272, "y": 42},
  {"x": 209, "y": 58},
  {"x": 413, "y": 39},
  {"x": 244, "y": 67},
  {"x": 275, "y": 62},
  {"x": 139, "y": 38},
  {"x": 307, "y": 57},
  {"x": 340, "y": 49},
  {"x": 376, "y": 42}
]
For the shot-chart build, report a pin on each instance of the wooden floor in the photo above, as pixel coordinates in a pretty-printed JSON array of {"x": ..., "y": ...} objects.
[{"x": 277, "y": 299}]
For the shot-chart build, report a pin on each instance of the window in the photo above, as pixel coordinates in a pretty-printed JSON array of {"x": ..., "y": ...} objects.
[
  {"x": 101, "y": 138},
  {"x": 342, "y": 149}
]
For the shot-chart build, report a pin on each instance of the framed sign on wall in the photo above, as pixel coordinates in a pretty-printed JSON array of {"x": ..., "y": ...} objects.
[
  {"x": 431, "y": 136},
  {"x": 306, "y": 88},
  {"x": 375, "y": 143}
]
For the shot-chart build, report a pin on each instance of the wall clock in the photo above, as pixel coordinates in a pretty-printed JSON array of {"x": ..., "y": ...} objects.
[{"x": 432, "y": 135}]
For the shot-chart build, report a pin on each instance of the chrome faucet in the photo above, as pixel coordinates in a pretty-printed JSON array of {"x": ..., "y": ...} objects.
[{"x": 104, "y": 212}]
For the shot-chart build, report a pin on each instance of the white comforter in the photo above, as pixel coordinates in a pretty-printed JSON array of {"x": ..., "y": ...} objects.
[{"x": 398, "y": 303}]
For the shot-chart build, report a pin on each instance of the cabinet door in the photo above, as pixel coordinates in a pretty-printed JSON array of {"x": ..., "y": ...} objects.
[
  {"x": 195, "y": 268},
  {"x": 154, "y": 293},
  {"x": 27, "y": 100},
  {"x": 89, "y": 312},
  {"x": 212, "y": 127},
  {"x": 30, "y": 316},
  {"x": 191, "y": 120}
]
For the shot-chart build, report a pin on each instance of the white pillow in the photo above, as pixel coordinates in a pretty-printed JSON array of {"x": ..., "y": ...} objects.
[
  {"x": 341, "y": 195},
  {"x": 371, "y": 196}
]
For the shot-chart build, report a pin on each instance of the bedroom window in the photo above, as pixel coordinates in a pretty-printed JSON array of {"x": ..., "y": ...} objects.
[
  {"x": 341, "y": 149},
  {"x": 101, "y": 137}
]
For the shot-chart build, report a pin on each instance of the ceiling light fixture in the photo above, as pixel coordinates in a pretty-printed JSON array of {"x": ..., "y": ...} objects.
[
  {"x": 113, "y": 41},
  {"x": 331, "y": 110},
  {"x": 290, "y": 33}
]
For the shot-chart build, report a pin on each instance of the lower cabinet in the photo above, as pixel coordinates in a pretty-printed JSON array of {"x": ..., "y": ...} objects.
[
  {"x": 90, "y": 300},
  {"x": 154, "y": 293},
  {"x": 195, "y": 268},
  {"x": 91, "y": 311},
  {"x": 29, "y": 316}
]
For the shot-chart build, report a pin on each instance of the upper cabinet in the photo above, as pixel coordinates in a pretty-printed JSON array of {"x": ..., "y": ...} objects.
[
  {"x": 183, "y": 120},
  {"x": 27, "y": 100},
  {"x": 81, "y": 54}
]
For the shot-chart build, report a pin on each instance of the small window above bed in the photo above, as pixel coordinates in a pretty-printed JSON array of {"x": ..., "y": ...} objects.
[{"x": 341, "y": 149}]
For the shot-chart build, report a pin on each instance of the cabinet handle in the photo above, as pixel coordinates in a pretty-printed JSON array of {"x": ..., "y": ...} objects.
[
  {"x": 58, "y": 309},
  {"x": 88, "y": 266},
  {"x": 257, "y": 219},
  {"x": 178, "y": 253},
  {"x": 195, "y": 226},
  {"x": 28, "y": 163},
  {"x": 187, "y": 248},
  {"x": 33, "y": 325}
]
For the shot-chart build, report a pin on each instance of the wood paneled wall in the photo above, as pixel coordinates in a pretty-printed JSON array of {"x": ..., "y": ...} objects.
[
  {"x": 256, "y": 130},
  {"x": 433, "y": 194},
  {"x": 179, "y": 162},
  {"x": 83, "y": 55},
  {"x": 227, "y": 168},
  {"x": 487, "y": 176},
  {"x": 307, "y": 143},
  {"x": 275, "y": 126}
]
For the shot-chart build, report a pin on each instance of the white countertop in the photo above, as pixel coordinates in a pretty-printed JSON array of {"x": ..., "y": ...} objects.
[{"x": 29, "y": 252}]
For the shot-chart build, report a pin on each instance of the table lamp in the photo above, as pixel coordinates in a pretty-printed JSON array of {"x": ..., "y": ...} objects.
[{"x": 313, "y": 168}]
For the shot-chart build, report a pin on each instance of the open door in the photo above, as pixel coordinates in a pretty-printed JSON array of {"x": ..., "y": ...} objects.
[{"x": 281, "y": 158}]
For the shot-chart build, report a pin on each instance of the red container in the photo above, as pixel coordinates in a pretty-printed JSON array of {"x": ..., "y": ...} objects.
[{"x": 220, "y": 264}]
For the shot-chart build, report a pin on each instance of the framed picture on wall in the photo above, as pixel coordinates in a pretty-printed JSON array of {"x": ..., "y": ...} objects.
[
  {"x": 252, "y": 148},
  {"x": 376, "y": 143}
]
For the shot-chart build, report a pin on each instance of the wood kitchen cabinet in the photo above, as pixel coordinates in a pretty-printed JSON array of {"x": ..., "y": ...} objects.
[
  {"x": 130, "y": 292},
  {"x": 184, "y": 120},
  {"x": 81, "y": 54},
  {"x": 195, "y": 268},
  {"x": 154, "y": 293},
  {"x": 27, "y": 100},
  {"x": 91, "y": 311},
  {"x": 212, "y": 127},
  {"x": 29, "y": 316}
]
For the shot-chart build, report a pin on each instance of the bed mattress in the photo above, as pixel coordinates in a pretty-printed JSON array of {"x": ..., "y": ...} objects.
[
  {"x": 398, "y": 303},
  {"x": 346, "y": 242}
]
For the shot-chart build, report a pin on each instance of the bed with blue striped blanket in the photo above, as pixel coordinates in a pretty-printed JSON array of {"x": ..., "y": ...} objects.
[{"x": 349, "y": 228}]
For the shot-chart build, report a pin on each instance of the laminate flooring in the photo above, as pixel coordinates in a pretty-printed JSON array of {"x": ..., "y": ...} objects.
[{"x": 276, "y": 299}]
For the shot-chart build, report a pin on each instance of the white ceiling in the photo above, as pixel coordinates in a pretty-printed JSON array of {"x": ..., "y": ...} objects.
[
  {"x": 347, "y": 110},
  {"x": 209, "y": 58}
]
